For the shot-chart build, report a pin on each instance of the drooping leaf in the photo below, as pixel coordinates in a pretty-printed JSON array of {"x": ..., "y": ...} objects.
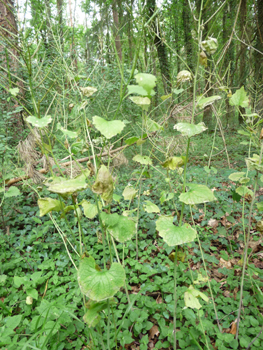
[
  {"x": 174, "y": 162},
  {"x": 68, "y": 187},
  {"x": 197, "y": 194},
  {"x": 244, "y": 190},
  {"x": 99, "y": 284},
  {"x": 92, "y": 316},
  {"x": 165, "y": 97},
  {"x": 104, "y": 184},
  {"x": 190, "y": 129},
  {"x": 108, "y": 128},
  {"x": 12, "y": 192},
  {"x": 68, "y": 133},
  {"x": 90, "y": 209},
  {"x": 152, "y": 126},
  {"x": 174, "y": 235},
  {"x": 129, "y": 193},
  {"x": 39, "y": 122},
  {"x": 141, "y": 101},
  {"x": 131, "y": 140},
  {"x": 239, "y": 98},
  {"x": 236, "y": 176},
  {"x": 150, "y": 207},
  {"x": 191, "y": 298},
  {"x": 142, "y": 159},
  {"x": 166, "y": 196},
  {"x": 210, "y": 45},
  {"x": 147, "y": 81},
  {"x": 206, "y": 101},
  {"x": 88, "y": 91},
  {"x": 177, "y": 91},
  {"x": 120, "y": 227},
  {"x": 254, "y": 163},
  {"x": 49, "y": 204},
  {"x": 183, "y": 76}
]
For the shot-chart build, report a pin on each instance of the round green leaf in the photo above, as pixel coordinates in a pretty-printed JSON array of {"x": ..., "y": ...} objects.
[
  {"x": 129, "y": 193},
  {"x": 120, "y": 227},
  {"x": 99, "y": 284},
  {"x": 92, "y": 316},
  {"x": 142, "y": 159},
  {"x": 174, "y": 235},
  {"x": 147, "y": 81},
  {"x": 108, "y": 128},
  {"x": 48, "y": 204},
  {"x": 150, "y": 207},
  {"x": 39, "y": 122},
  {"x": 197, "y": 194},
  {"x": 236, "y": 176},
  {"x": 90, "y": 209},
  {"x": 131, "y": 140},
  {"x": 190, "y": 130},
  {"x": 12, "y": 192}
]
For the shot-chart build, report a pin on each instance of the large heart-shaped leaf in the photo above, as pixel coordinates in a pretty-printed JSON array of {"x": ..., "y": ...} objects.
[
  {"x": 197, "y": 194},
  {"x": 142, "y": 159},
  {"x": 190, "y": 130},
  {"x": 120, "y": 227},
  {"x": 67, "y": 187},
  {"x": 147, "y": 81},
  {"x": 239, "y": 98},
  {"x": 49, "y": 204},
  {"x": 108, "y": 128},
  {"x": 244, "y": 190},
  {"x": 12, "y": 192},
  {"x": 136, "y": 89},
  {"x": 174, "y": 235},
  {"x": 99, "y": 284},
  {"x": 39, "y": 122}
]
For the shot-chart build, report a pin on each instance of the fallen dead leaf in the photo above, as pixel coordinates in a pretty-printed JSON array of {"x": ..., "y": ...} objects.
[
  {"x": 212, "y": 223},
  {"x": 159, "y": 299},
  {"x": 153, "y": 332},
  {"x": 224, "y": 263},
  {"x": 233, "y": 328}
]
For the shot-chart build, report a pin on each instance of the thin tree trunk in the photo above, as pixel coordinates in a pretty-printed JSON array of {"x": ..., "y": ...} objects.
[
  {"x": 242, "y": 66},
  {"x": 60, "y": 22},
  {"x": 116, "y": 29},
  {"x": 161, "y": 48},
  {"x": 258, "y": 55}
]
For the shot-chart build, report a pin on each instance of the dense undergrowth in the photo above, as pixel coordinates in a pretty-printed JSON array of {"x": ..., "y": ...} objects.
[{"x": 42, "y": 305}]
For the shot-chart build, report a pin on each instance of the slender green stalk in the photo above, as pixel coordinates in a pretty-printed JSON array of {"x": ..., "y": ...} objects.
[
  {"x": 175, "y": 295},
  {"x": 246, "y": 244}
]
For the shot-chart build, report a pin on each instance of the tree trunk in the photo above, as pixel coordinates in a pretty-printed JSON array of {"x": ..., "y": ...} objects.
[
  {"x": 242, "y": 65},
  {"x": 161, "y": 48},
  {"x": 188, "y": 41},
  {"x": 60, "y": 22},
  {"x": 116, "y": 29},
  {"x": 9, "y": 53},
  {"x": 258, "y": 55}
]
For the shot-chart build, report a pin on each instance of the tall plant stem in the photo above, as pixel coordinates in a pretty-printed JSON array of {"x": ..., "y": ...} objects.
[
  {"x": 246, "y": 245},
  {"x": 175, "y": 294}
]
